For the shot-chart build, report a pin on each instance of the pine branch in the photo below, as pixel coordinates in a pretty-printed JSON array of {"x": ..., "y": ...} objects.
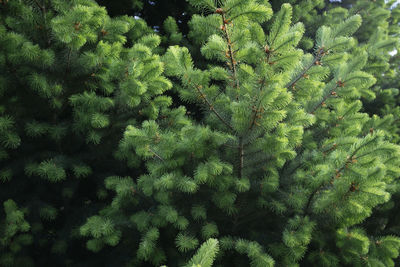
[
  {"x": 253, "y": 121},
  {"x": 43, "y": 11},
  {"x": 349, "y": 160},
  {"x": 331, "y": 92},
  {"x": 38, "y": 4},
  {"x": 310, "y": 198},
  {"x": 211, "y": 107},
  {"x": 156, "y": 155},
  {"x": 230, "y": 51},
  {"x": 301, "y": 74}
]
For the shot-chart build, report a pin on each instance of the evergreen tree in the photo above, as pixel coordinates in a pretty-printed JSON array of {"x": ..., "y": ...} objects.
[
  {"x": 283, "y": 168},
  {"x": 263, "y": 153},
  {"x": 71, "y": 80}
]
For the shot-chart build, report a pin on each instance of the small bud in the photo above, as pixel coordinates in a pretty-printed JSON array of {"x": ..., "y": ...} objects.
[
  {"x": 77, "y": 26},
  {"x": 371, "y": 130},
  {"x": 340, "y": 83},
  {"x": 219, "y": 11},
  {"x": 353, "y": 187},
  {"x": 333, "y": 93},
  {"x": 318, "y": 63},
  {"x": 227, "y": 54}
]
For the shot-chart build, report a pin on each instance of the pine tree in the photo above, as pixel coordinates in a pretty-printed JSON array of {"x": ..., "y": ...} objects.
[
  {"x": 284, "y": 166},
  {"x": 71, "y": 79},
  {"x": 378, "y": 35},
  {"x": 265, "y": 152}
]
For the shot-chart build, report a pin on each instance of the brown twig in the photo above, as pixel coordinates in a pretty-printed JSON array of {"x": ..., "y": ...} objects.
[{"x": 230, "y": 51}]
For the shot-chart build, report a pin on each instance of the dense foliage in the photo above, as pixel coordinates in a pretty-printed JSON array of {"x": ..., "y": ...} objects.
[{"x": 227, "y": 133}]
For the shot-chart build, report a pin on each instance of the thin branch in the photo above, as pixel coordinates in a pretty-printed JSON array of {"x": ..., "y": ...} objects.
[
  {"x": 316, "y": 58},
  {"x": 202, "y": 95},
  {"x": 38, "y": 4},
  {"x": 324, "y": 99},
  {"x": 258, "y": 106},
  {"x": 310, "y": 198},
  {"x": 156, "y": 155},
  {"x": 230, "y": 50},
  {"x": 349, "y": 160}
]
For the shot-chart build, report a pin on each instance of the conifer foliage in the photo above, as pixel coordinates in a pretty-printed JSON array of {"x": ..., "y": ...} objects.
[
  {"x": 281, "y": 168},
  {"x": 71, "y": 79}
]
